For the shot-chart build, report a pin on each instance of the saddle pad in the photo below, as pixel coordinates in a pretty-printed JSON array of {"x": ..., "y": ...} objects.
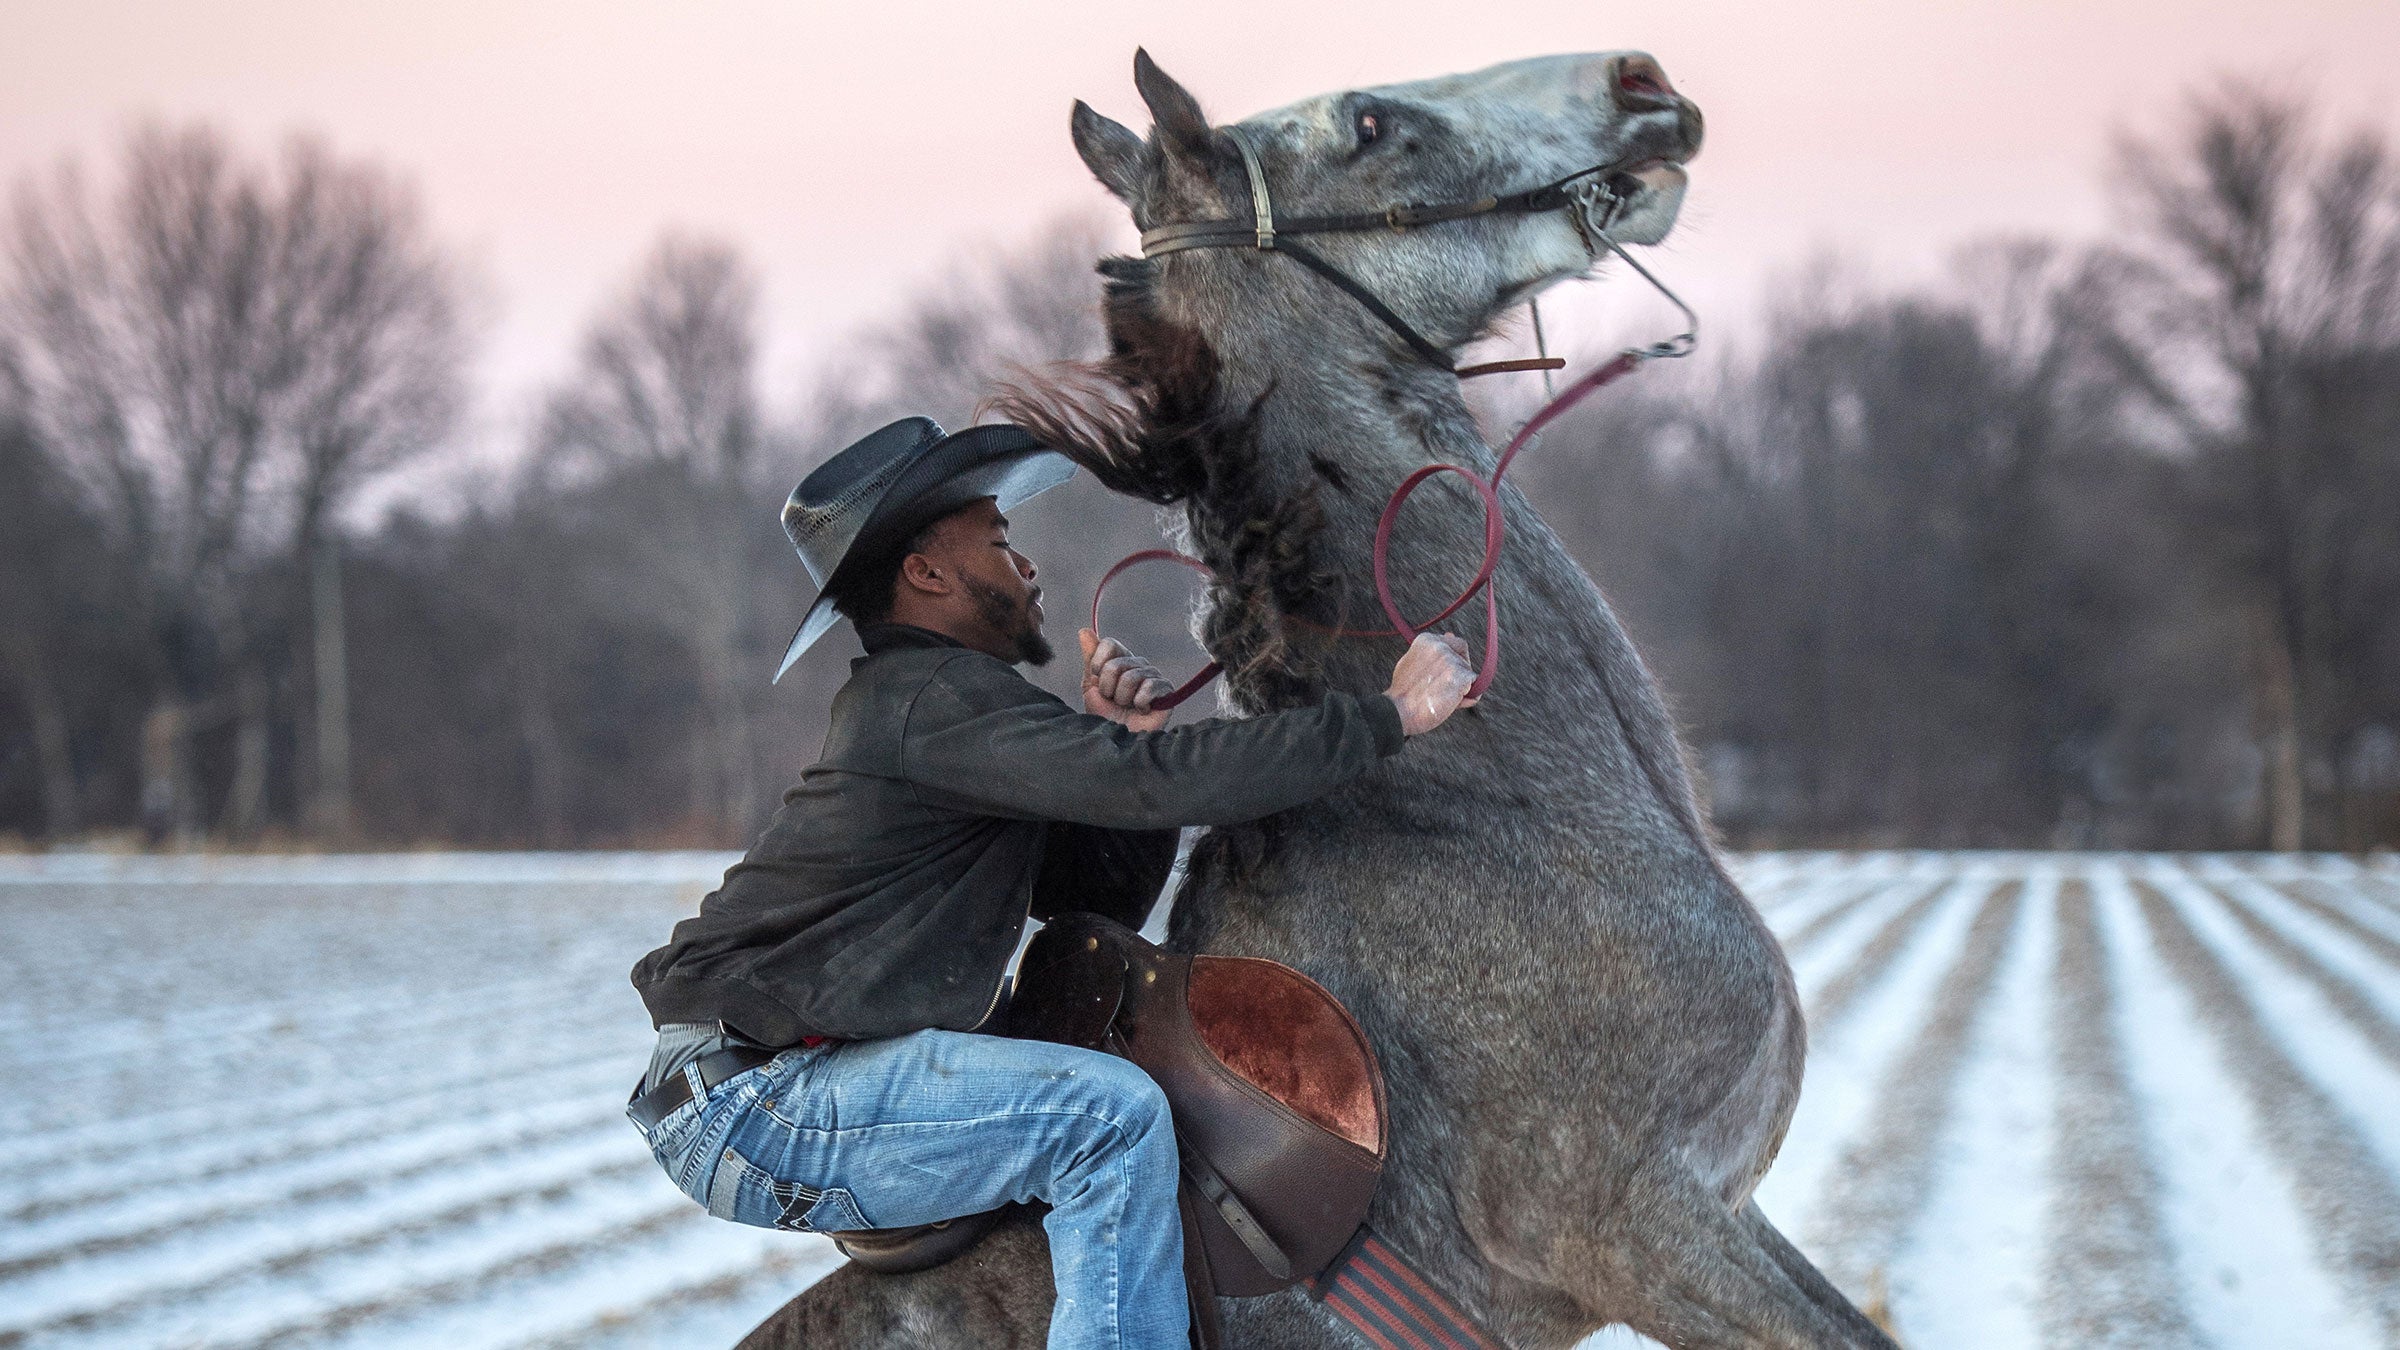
[{"x": 1290, "y": 1039}]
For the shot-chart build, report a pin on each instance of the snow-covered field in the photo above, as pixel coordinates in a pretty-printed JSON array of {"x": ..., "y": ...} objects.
[{"x": 2062, "y": 1100}]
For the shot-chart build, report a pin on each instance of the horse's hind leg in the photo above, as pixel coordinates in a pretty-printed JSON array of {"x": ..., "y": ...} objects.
[
  {"x": 1803, "y": 1273},
  {"x": 1713, "y": 1277}
]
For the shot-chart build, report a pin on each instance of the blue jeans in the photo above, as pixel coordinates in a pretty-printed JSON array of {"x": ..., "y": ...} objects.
[{"x": 939, "y": 1124}]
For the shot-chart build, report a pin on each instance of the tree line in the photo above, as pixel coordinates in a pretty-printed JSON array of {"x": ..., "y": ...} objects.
[{"x": 2086, "y": 545}]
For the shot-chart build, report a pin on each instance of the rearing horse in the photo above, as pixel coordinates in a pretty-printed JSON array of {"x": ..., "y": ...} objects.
[{"x": 1591, "y": 1041}]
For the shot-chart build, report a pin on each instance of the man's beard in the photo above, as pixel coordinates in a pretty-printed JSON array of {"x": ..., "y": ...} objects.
[{"x": 1013, "y": 619}]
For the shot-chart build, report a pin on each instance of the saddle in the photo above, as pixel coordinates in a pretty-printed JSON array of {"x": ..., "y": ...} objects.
[{"x": 1277, "y": 1097}]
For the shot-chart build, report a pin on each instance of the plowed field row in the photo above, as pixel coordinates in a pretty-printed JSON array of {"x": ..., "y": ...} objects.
[{"x": 2055, "y": 1100}]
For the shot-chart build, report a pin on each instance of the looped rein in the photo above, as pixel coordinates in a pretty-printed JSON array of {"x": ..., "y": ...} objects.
[{"x": 1494, "y": 539}]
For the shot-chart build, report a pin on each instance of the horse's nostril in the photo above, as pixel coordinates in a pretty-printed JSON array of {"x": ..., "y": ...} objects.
[{"x": 1640, "y": 83}]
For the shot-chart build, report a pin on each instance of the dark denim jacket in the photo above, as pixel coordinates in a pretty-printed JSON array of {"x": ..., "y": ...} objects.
[{"x": 954, "y": 798}]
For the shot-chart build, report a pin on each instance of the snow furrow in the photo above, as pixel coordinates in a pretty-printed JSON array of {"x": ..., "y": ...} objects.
[
  {"x": 63, "y": 869},
  {"x": 1829, "y": 1002},
  {"x": 167, "y": 1209},
  {"x": 1802, "y": 876},
  {"x": 2242, "y": 1246},
  {"x": 1808, "y": 908},
  {"x": 2109, "y": 1279},
  {"x": 1838, "y": 945},
  {"x": 2334, "y": 947},
  {"x": 1885, "y": 1173},
  {"x": 1970, "y": 1269},
  {"x": 575, "y": 1248},
  {"x": 2383, "y": 890},
  {"x": 693, "y": 1303},
  {"x": 2352, "y": 1001},
  {"x": 120, "y": 1091},
  {"x": 1845, "y": 1064},
  {"x": 89, "y": 1056},
  {"x": 2376, "y": 928},
  {"x": 280, "y": 1143},
  {"x": 2350, "y": 1077},
  {"x": 1832, "y": 905},
  {"x": 308, "y": 1254},
  {"x": 2351, "y": 1205},
  {"x": 548, "y": 1305}
]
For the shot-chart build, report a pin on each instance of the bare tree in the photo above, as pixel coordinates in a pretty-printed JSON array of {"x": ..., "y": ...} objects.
[
  {"x": 660, "y": 422},
  {"x": 221, "y": 354},
  {"x": 943, "y": 353},
  {"x": 380, "y": 382},
  {"x": 45, "y": 576},
  {"x": 2261, "y": 312}
]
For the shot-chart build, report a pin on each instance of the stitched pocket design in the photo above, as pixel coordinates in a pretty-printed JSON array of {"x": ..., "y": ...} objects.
[
  {"x": 741, "y": 1192},
  {"x": 833, "y": 1212}
]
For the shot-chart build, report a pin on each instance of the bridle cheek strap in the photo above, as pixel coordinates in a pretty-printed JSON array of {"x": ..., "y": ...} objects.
[{"x": 1416, "y": 341}]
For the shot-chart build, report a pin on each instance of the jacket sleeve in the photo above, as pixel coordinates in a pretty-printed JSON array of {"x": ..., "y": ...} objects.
[
  {"x": 1115, "y": 873},
  {"x": 979, "y": 738}
]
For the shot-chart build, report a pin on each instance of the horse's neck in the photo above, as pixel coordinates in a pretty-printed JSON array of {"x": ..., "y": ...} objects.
[
  {"x": 1337, "y": 430},
  {"x": 1338, "y": 393},
  {"x": 1574, "y": 701},
  {"x": 1343, "y": 423}
]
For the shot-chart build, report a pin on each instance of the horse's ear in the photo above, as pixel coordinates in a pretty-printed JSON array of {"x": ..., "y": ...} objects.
[
  {"x": 1181, "y": 127},
  {"x": 1111, "y": 151}
]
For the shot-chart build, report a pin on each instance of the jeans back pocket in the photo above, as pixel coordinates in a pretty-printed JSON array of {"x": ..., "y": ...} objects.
[{"x": 747, "y": 1195}]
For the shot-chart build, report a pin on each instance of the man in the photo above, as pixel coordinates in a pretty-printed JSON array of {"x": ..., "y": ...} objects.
[{"x": 818, "y": 1065}]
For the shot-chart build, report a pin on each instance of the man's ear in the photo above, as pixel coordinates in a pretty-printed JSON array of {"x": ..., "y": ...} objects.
[
  {"x": 1180, "y": 127},
  {"x": 921, "y": 572},
  {"x": 1111, "y": 151}
]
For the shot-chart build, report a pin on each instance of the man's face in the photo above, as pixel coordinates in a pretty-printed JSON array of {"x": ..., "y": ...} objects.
[{"x": 997, "y": 579}]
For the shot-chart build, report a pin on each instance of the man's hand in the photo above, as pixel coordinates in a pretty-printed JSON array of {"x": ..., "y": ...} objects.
[
  {"x": 1431, "y": 682},
  {"x": 1120, "y": 686}
]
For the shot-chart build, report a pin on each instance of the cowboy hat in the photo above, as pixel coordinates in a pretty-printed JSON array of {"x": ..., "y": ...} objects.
[{"x": 856, "y": 507}]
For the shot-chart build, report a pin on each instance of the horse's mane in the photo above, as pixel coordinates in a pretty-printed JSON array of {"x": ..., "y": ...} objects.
[
  {"x": 1144, "y": 418},
  {"x": 1149, "y": 419}
]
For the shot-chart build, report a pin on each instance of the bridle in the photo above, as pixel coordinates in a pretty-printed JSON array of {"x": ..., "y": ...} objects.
[{"x": 1592, "y": 204}]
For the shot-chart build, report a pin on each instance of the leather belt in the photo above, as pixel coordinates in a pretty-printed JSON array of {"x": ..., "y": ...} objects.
[{"x": 656, "y": 1105}]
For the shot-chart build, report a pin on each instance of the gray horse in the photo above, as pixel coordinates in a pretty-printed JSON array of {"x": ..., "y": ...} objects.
[{"x": 1592, "y": 1042}]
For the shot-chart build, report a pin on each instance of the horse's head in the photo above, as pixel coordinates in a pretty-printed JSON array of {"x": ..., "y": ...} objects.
[{"x": 1451, "y": 140}]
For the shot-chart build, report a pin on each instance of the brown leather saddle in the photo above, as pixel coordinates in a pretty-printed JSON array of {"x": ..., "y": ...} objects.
[{"x": 1278, "y": 1102}]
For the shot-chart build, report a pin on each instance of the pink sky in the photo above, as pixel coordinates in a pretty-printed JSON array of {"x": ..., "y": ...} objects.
[{"x": 855, "y": 149}]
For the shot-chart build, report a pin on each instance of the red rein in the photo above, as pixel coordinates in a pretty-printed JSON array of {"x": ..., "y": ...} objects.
[{"x": 1493, "y": 539}]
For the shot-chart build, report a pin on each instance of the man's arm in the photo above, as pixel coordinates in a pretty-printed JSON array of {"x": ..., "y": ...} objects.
[{"x": 981, "y": 739}]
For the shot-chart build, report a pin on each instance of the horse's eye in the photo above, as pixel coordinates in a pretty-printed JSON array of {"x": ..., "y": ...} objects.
[{"x": 1370, "y": 128}]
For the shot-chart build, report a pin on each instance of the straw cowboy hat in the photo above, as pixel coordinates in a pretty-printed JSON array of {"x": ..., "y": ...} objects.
[{"x": 869, "y": 499}]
